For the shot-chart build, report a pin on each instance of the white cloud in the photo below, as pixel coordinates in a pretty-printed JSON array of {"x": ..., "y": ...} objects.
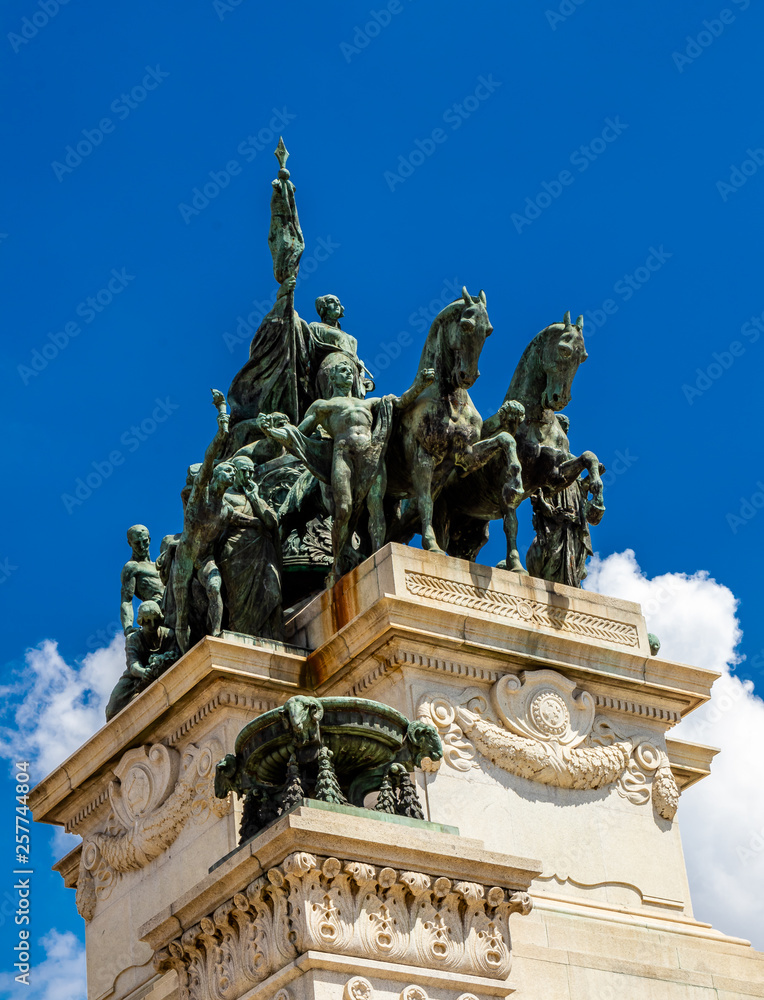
[
  {"x": 722, "y": 817},
  {"x": 60, "y": 706},
  {"x": 59, "y": 976}
]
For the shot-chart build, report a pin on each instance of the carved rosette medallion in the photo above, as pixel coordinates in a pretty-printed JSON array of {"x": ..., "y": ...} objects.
[
  {"x": 358, "y": 988},
  {"x": 351, "y": 908},
  {"x": 539, "y": 726},
  {"x": 156, "y": 791}
]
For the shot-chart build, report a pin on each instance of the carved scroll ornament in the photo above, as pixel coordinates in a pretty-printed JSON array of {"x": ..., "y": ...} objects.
[
  {"x": 547, "y": 732},
  {"x": 157, "y": 790},
  {"x": 308, "y": 903}
]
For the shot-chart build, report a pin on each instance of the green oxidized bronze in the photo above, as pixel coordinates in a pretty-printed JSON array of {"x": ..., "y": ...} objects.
[
  {"x": 332, "y": 749},
  {"x": 308, "y": 476}
]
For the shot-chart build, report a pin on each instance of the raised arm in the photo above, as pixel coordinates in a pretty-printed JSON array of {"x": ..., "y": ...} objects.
[
  {"x": 215, "y": 447},
  {"x": 276, "y": 425},
  {"x": 425, "y": 377}
]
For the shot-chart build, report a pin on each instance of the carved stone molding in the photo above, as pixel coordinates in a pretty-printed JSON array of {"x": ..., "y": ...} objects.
[
  {"x": 156, "y": 792},
  {"x": 546, "y": 731},
  {"x": 520, "y": 609},
  {"x": 345, "y": 907},
  {"x": 358, "y": 988},
  {"x": 226, "y": 699}
]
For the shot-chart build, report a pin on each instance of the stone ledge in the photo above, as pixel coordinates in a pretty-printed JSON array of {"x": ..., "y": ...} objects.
[
  {"x": 373, "y": 970},
  {"x": 689, "y": 761},
  {"x": 313, "y": 830},
  {"x": 350, "y": 627},
  {"x": 347, "y": 810},
  {"x": 214, "y": 668},
  {"x": 669, "y": 923},
  {"x": 637, "y": 970}
]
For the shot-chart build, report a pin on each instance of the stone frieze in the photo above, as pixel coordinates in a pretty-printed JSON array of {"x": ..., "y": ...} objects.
[{"x": 539, "y": 727}]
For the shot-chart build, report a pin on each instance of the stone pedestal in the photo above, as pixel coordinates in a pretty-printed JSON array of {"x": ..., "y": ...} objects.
[{"x": 558, "y": 775}]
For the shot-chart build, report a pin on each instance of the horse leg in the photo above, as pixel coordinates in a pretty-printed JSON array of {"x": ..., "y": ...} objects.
[
  {"x": 514, "y": 562},
  {"x": 483, "y": 451},
  {"x": 572, "y": 469},
  {"x": 421, "y": 479}
]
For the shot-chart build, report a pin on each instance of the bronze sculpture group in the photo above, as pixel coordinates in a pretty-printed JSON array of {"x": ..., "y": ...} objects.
[{"x": 308, "y": 474}]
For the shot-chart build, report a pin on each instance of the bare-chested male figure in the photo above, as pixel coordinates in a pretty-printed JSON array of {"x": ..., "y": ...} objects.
[
  {"x": 359, "y": 430},
  {"x": 205, "y": 518},
  {"x": 140, "y": 577}
]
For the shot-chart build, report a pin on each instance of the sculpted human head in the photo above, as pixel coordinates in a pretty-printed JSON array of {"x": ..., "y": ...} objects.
[
  {"x": 223, "y": 476},
  {"x": 341, "y": 374},
  {"x": 245, "y": 471},
  {"x": 329, "y": 308},
  {"x": 139, "y": 539},
  {"x": 150, "y": 614}
]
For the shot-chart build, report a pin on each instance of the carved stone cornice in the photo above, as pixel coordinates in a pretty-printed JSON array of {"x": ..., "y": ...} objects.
[
  {"x": 349, "y": 908},
  {"x": 214, "y": 676},
  {"x": 525, "y": 611}
]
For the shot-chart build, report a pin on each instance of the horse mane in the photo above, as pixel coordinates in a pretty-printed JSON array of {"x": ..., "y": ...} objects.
[
  {"x": 523, "y": 371},
  {"x": 433, "y": 347}
]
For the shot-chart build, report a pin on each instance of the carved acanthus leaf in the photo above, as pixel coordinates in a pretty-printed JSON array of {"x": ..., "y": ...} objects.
[{"x": 344, "y": 907}]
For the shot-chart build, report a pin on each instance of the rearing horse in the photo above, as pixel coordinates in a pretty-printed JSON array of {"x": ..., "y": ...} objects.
[
  {"x": 441, "y": 431},
  {"x": 541, "y": 383}
]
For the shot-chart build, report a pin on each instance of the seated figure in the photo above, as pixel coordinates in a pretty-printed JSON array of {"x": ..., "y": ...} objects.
[{"x": 149, "y": 651}]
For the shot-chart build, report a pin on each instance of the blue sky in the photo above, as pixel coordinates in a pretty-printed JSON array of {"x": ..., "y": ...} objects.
[{"x": 600, "y": 158}]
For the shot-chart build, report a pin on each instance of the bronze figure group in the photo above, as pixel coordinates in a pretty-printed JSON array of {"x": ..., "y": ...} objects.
[{"x": 309, "y": 474}]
